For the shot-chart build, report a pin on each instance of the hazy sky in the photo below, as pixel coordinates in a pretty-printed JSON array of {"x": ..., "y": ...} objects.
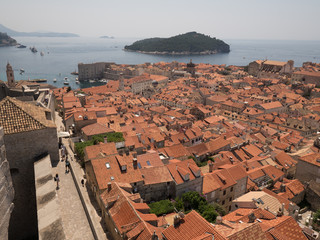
[{"x": 225, "y": 19}]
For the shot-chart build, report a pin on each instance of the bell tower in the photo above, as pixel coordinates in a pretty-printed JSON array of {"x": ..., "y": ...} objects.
[{"x": 10, "y": 76}]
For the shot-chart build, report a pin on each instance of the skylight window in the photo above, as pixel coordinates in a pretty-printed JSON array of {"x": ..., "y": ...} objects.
[
  {"x": 149, "y": 164},
  {"x": 108, "y": 165},
  {"x": 139, "y": 165}
]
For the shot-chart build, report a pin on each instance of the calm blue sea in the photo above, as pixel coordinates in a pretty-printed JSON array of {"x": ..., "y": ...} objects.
[{"x": 62, "y": 55}]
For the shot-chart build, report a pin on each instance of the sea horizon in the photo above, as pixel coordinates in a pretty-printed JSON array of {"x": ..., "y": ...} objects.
[{"x": 62, "y": 55}]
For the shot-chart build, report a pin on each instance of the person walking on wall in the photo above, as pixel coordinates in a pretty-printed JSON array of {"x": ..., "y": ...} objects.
[
  {"x": 56, "y": 178},
  {"x": 67, "y": 165}
]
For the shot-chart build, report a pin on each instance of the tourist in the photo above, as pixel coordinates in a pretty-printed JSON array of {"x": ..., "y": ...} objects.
[
  {"x": 56, "y": 178},
  {"x": 82, "y": 182},
  {"x": 67, "y": 165}
]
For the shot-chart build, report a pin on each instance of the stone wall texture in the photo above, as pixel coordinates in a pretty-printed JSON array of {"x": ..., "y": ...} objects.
[
  {"x": 6, "y": 191},
  {"x": 24, "y": 149}
]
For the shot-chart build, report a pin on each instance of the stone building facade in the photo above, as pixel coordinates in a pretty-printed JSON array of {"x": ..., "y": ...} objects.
[
  {"x": 31, "y": 134},
  {"x": 270, "y": 69},
  {"x": 92, "y": 70},
  {"x": 308, "y": 168},
  {"x": 6, "y": 190}
]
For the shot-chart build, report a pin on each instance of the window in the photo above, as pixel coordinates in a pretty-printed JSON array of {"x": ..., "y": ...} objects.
[
  {"x": 231, "y": 190},
  {"x": 223, "y": 202},
  {"x": 229, "y": 208},
  {"x": 224, "y": 192},
  {"x": 230, "y": 199}
]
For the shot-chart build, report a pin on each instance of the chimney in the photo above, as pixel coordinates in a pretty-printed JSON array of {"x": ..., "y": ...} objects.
[
  {"x": 282, "y": 188},
  {"x": 176, "y": 220},
  {"x": 154, "y": 236},
  {"x": 109, "y": 186},
  {"x": 105, "y": 140},
  {"x": 251, "y": 217},
  {"x": 210, "y": 166},
  {"x": 135, "y": 163},
  {"x": 219, "y": 220},
  {"x": 282, "y": 208}
]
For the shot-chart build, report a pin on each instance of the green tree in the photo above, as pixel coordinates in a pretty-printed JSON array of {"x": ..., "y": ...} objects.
[
  {"x": 192, "y": 200},
  {"x": 316, "y": 217},
  {"x": 178, "y": 204},
  {"x": 161, "y": 207},
  {"x": 220, "y": 209},
  {"x": 79, "y": 148},
  {"x": 209, "y": 213}
]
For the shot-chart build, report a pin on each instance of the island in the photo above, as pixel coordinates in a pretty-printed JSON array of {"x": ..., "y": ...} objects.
[
  {"x": 35, "y": 34},
  {"x": 5, "y": 40},
  {"x": 107, "y": 37},
  {"x": 183, "y": 44}
]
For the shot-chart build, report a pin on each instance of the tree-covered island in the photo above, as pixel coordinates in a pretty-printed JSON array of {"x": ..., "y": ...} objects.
[{"x": 188, "y": 43}]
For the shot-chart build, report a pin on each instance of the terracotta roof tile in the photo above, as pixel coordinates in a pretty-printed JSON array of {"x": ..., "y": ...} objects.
[
  {"x": 190, "y": 227},
  {"x": 18, "y": 116}
]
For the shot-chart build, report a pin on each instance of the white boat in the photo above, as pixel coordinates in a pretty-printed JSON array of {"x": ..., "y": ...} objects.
[
  {"x": 54, "y": 80},
  {"x": 66, "y": 78},
  {"x": 92, "y": 81},
  {"x": 41, "y": 53},
  {"x": 21, "y": 70},
  {"x": 66, "y": 83},
  {"x": 77, "y": 82}
]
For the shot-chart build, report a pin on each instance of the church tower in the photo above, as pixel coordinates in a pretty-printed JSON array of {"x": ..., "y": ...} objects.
[
  {"x": 121, "y": 82},
  {"x": 191, "y": 68},
  {"x": 10, "y": 76}
]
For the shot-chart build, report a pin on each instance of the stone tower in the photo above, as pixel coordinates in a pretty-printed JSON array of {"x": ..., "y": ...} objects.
[
  {"x": 10, "y": 76},
  {"x": 191, "y": 68},
  {"x": 121, "y": 82}
]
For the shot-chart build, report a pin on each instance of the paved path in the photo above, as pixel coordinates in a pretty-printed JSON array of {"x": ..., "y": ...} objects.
[
  {"x": 86, "y": 194},
  {"x": 74, "y": 219}
]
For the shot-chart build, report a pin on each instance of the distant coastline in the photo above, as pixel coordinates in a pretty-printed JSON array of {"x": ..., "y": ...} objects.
[
  {"x": 107, "y": 37},
  {"x": 7, "y": 41},
  {"x": 14, "y": 33}
]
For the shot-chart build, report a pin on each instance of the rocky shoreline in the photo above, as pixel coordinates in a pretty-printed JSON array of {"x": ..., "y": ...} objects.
[{"x": 174, "y": 53}]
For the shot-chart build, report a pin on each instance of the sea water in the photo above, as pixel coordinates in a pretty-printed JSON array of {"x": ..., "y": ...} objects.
[{"x": 62, "y": 55}]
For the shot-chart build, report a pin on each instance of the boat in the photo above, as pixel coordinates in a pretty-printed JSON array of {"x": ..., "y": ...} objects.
[
  {"x": 54, "y": 80},
  {"x": 103, "y": 80},
  {"x": 33, "y": 49},
  {"x": 77, "y": 82},
  {"x": 91, "y": 81},
  {"x": 66, "y": 78},
  {"x": 75, "y": 73},
  {"x": 21, "y": 46},
  {"x": 21, "y": 70},
  {"x": 66, "y": 83},
  {"x": 38, "y": 80},
  {"x": 41, "y": 53}
]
